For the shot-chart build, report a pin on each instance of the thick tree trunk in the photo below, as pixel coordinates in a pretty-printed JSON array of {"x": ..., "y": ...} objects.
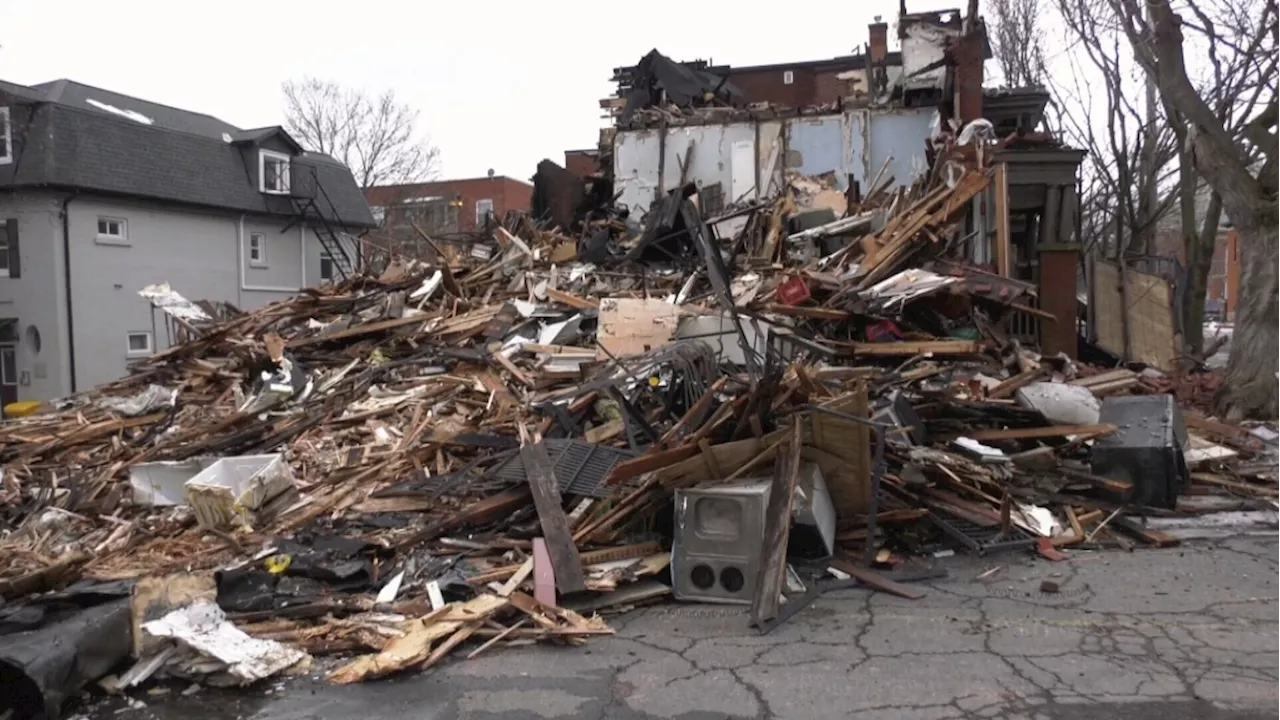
[
  {"x": 1199, "y": 260},
  {"x": 1249, "y": 389}
]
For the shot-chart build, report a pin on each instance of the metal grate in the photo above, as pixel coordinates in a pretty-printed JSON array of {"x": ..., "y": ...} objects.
[
  {"x": 581, "y": 468},
  {"x": 978, "y": 539}
]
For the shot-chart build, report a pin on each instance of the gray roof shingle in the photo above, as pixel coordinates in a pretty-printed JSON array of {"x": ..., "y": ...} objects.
[{"x": 62, "y": 140}]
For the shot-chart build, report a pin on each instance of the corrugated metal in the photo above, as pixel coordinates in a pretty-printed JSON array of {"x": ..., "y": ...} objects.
[{"x": 856, "y": 142}]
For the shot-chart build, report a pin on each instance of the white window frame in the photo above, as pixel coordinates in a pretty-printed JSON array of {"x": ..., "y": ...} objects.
[
  {"x": 481, "y": 216},
  {"x": 788, "y": 77},
  {"x": 261, "y": 250},
  {"x": 108, "y": 238},
  {"x": 128, "y": 343},
  {"x": 7, "y": 157},
  {"x": 263, "y": 156}
]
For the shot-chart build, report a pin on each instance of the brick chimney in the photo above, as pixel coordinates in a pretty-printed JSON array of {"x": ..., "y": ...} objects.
[
  {"x": 968, "y": 53},
  {"x": 878, "y": 32}
]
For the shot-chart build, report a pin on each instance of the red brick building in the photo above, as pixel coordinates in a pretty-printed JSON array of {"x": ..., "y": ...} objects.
[{"x": 445, "y": 207}]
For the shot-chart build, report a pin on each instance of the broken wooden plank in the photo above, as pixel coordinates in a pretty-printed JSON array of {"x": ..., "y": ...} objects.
[
  {"x": 555, "y": 526},
  {"x": 773, "y": 545},
  {"x": 875, "y": 580},
  {"x": 1041, "y": 432},
  {"x": 572, "y": 300},
  {"x": 910, "y": 348}
]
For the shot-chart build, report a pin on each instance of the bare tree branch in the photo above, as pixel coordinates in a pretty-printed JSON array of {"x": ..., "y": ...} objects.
[
  {"x": 1017, "y": 39},
  {"x": 375, "y": 137}
]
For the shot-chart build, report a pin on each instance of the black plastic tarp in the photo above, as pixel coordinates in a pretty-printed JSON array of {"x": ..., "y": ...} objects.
[{"x": 67, "y": 647}]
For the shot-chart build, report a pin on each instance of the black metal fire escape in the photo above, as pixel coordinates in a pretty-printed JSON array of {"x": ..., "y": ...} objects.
[{"x": 311, "y": 204}]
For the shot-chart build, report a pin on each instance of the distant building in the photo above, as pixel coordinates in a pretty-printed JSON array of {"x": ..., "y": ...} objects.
[
  {"x": 103, "y": 194},
  {"x": 442, "y": 208}
]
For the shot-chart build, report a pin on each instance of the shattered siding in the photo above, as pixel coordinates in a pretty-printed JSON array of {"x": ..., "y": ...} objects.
[
  {"x": 923, "y": 45},
  {"x": 856, "y": 142}
]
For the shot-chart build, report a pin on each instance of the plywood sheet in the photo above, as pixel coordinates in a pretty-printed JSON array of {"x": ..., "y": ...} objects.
[
  {"x": 1143, "y": 308},
  {"x": 632, "y": 326}
]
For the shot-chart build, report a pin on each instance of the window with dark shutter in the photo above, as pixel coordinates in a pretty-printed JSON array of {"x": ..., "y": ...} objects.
[{"x": 10, "y": 258}]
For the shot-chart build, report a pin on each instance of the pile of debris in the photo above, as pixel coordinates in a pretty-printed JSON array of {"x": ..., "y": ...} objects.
[{"x": 724, "y": 407}]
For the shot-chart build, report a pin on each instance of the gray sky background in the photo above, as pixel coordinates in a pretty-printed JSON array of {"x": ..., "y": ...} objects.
[{"x": 498, "y": 85}]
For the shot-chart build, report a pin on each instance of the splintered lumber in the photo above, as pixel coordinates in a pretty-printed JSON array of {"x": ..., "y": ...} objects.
[
  {"x": 1235, "y": 486},
  {"x": 555, "y": 526},
  {"x": 773, "y": 546},
  {"x": 1041, "y": 432},
  {"x": 362, "y": 329},
  {"x": 414, "y": 647},
  {"x": 875, "y": 580},
  {"x": 572, "y": 300},
  {"x": 1012, "y": 385},
  {"x": 911, "y": 348}
]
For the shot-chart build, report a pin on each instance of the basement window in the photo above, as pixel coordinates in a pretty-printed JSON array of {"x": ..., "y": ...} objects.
[
  {"x": 273, "y": 172},
  {"x": 788, "y": 77},
  {"x": 6, "y": 138},
  {"x": 113, "y": 231},
  {"x": 257, "y": 250},
  {"x": 140, "y": 344}
]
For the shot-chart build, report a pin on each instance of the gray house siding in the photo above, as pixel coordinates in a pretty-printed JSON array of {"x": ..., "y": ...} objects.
[
  {"x": 199, "y": 254},
  {"x": 194, "y": 252},
  {"x": 180, "y": 201},
  {"x": 37, "y": 299}
]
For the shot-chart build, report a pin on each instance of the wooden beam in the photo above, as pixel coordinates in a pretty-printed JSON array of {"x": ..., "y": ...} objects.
[
  {"x": 1015, "y": 383},
  {"x": 936, "y": 347},
  {"x": 555, "y": 526},
  {"x": 1041, "y": 432},
  {"x": 875, "y": 580},
  {"x": 808, "y": 312},
  {"x": 773, "y": 547},
  {"x": 572, "y": 300},
  {"x": 1002, "y": 249},
  {"x": 362, "y": 329}
]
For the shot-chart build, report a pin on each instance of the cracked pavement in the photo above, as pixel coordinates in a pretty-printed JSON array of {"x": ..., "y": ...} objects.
[{"x": 1179, "y": 634}]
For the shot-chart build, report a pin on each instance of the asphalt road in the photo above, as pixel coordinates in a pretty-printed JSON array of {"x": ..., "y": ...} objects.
[{"x": 1182, "y": 634}]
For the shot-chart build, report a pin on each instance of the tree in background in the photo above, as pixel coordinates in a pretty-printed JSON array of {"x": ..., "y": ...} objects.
[
  {"x": 376, "y": 137},
  {"x": 1016, "y": 30},
  {"x": 1143, "y": 171},
  {"x": 1240, "y": 167}
]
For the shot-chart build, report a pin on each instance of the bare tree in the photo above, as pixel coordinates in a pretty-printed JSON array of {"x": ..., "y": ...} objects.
[
  {"x": 1240, "y": 168},
  {"x": 1129, "y": 177},
  {"x": 375, "y": 137},
  {"x": 1017, "y": 40}
]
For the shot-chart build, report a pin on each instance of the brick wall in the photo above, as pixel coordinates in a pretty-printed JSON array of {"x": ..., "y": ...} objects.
[
  {"x": 770, "y": 86},
  {"x": 582, "y": 162},
  {"x": 506, "y": 193}
]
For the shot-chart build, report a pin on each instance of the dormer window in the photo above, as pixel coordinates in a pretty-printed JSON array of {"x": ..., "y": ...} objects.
[{"x": 273, "y": 172}]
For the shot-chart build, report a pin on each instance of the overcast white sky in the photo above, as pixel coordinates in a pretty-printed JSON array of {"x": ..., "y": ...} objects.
[{"x": 499, "y": 85}]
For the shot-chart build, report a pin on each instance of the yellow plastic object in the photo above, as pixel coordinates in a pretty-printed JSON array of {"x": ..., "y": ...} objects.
[
  {"x": 278, "y": 564},
  {"x": 21, "y": 409}
]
